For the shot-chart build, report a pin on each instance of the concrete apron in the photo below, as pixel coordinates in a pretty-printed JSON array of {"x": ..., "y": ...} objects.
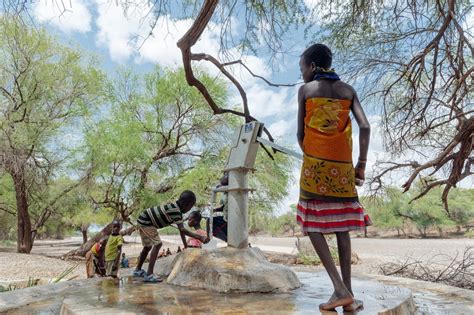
[{"x": 132, "y": 296}]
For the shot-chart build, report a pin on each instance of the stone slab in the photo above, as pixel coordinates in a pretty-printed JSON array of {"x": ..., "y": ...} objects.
[{"x": 228, "y": 270}]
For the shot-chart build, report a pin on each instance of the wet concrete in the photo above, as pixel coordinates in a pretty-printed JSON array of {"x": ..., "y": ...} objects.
[{"x": 132, "y": 296}]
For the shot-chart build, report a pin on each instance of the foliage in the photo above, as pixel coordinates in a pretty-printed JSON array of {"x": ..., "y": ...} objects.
[
  {"x": 7, "y": 208},
  {"x": 157, "y": 129},
  {"x": 45, "y": 89},
  {"x": 284, "y": 223},
  {"x": 395, "y": 211},
  {"x": 149, "y": 138},
  {"x": 64, "y": 274}
]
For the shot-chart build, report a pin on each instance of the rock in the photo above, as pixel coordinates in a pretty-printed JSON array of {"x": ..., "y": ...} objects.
[
  {"x": 227, "y": 270},
  {"x": 164, "y": 265},
  {"x": 281, "y": 258}
]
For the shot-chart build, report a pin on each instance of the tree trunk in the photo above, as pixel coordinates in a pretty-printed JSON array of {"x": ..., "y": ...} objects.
[
  {"x": 24, "y": 240},
  {"x": 84, "y": 248},
  {"x": 84, "y": 236},
  {"x": 84, "y": 228},
  {"x": 421, "y": 232}
]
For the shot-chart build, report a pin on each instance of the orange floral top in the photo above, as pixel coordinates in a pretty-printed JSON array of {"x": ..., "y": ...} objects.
[{"x": 327, "y": 172}]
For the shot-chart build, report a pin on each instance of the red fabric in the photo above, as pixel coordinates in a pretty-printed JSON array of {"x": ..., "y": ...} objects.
[{"x": 329, "y": 217}]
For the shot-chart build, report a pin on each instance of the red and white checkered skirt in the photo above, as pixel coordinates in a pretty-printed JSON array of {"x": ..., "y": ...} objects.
[{"x": 329, "y": 217}]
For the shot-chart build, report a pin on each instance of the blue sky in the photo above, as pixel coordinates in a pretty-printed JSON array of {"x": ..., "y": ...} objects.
[{"x": 100, "y": 27}]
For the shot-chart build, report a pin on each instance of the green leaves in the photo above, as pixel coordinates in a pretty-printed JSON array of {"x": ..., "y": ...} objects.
[{"x": 394, "y": 210}]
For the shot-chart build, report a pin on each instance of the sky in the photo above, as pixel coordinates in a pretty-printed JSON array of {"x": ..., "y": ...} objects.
[{"x": 101, "y": 27}]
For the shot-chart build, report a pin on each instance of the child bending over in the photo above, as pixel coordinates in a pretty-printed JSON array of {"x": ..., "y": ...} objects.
[{"x": 152, "y": 219}]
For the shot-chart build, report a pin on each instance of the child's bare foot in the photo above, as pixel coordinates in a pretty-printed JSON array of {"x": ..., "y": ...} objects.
[
  {"x": 335, "y": 301},
  {"x": 357, "y": 305}
]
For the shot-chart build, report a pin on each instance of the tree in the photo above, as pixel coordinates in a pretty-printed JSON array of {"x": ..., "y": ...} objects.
[
  {"x": 462, "y": 207},
  {"x": 7, "y": 208},
  {"x": 389, "y": 210},
  {"x": 157, "y": 128},
  {"x": 160, "y": 139},
  {"x": 394, "y": 210},
  {"x": 44, "y": 87}
]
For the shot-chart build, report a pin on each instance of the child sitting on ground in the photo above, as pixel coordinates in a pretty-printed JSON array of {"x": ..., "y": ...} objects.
[
  {"x": 159, "y": 217},
  {"x": 194, "y": 222},
  {"x": 124, "y": 262},
  {"x": 113, "y": 250},
  {"x": 95, "y": 264}
]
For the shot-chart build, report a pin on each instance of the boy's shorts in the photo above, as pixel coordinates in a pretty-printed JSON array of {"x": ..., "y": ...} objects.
[
  {"x": 111, "y": 268},
  {"x": 149, "y": 235}
]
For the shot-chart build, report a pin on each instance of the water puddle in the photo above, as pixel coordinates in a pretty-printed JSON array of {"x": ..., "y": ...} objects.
[{"x": 132, "y": 296}]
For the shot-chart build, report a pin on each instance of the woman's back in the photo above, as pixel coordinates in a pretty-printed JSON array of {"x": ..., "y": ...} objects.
[{"x": 329, "y": 89}]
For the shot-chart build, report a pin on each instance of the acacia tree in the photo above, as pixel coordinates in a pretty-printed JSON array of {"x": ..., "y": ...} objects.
[
  {"x": 156, "y": 129},
  {"x": 44, "y": 86}
]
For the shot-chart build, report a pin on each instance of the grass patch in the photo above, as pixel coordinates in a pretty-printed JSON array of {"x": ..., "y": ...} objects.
[{"x": 469, "y": 234}]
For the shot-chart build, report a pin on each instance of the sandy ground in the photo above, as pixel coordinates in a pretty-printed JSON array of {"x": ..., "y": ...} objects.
[{"x": 44, "y": 262}]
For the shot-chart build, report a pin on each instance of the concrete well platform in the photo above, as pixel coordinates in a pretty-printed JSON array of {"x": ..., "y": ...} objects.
[
  {"x": 227, "y": 270},
  {"x": 132, "y": 296}
]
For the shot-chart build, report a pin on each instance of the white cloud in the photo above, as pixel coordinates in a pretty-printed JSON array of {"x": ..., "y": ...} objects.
[
  {"x": 68, "y": 16},
  {"x": 161, "y": 47},
  {"x": 265, "y": 102},
  {"x": 284, "y": 128},
  {"x": 127, "y": 36},
  {"x": 114, "y": 30}
]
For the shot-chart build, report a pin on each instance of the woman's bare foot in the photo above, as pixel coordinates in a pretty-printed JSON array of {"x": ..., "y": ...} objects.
[
  {"x": 335, "y": 301},
  {"x": 357, "y": 305}
]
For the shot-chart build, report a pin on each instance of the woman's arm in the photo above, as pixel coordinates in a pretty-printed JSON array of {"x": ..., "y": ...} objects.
[
  {"x": 364, "y": 136},
  {"x": 301, "y": 115}
]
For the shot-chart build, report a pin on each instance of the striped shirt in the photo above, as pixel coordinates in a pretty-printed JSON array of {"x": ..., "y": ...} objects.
[{"x": 161, "y": 216}]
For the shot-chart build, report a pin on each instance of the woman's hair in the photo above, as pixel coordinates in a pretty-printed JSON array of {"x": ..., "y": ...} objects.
[{"x": 320, "y": 54}]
